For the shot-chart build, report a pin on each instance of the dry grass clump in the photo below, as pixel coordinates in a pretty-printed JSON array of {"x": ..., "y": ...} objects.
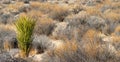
[
  {"x": 15, "y": 6},
  {"x": 84, "y": 51},
  {"x": 41, "y": 43},
  {"x": 78, "y": 19},
  {"x": 35, "y": 4},
  {"x": 107, "y": 2},
  {"x": 9, "y": 43},
  {"x": 81, "y": 32},
  {"x": 63, "y": 30},
  {"x": 44, "y": 26},
  {"x": 109, "y": 28},
  {"x": 76, "y": 8},
  {"x": 55, "y": 11},
  {"x": 91, "y": 44},
  {"x": 97, "y": 22},
  {"x": 7, "y": 26},
  {"x": 68, "y": 48},
  {"x": 68, "y": 52},
  {"x": 6, "y": 31},
  {"x": 116, "y": 11},
  {"x": 22, "y": 14},
  {"x": 33, "y": 14},
  {"x": 112, "y": 16},
  {"x": 95, "y": 49},
  {"x": 91, "y": 48},
  {"x": 6, "y": 18},
  {"x": 90, "y": 34},
  {"x": 115, "y": 39},
  {"x": 93, "y": 11},
  {"x": 59, "y": 14},
  {"x": 117, "y": 29},
  {"x": 115, "y": 5},
  {"x": 44, "y": 7}
]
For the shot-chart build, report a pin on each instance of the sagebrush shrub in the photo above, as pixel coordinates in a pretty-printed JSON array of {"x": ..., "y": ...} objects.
[
  {"x": 59, "y": 14},
  {"x": 44, "y": 26},
  {"x": 42, "y": 43},
  {"x": 24, "y": 26},
  {"x": 6, "y": 31}
]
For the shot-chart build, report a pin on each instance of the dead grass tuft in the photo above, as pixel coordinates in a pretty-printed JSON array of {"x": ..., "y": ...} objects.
[
  {"x": 55, "y": 11},
  {"x": 7, "y": 27},
  {"x": 117, "y": 29},
  {"x": 91, "y": 45},
  {"x": 68, "y": 47},
  {"x": 44, "y": 26},
  {"x": 112, "y": 16},
  {"x": 90, "y": 34},
  {"x": 93, "y": 11},
  {"x": 16, "y": 6},
  {"x": 33, "y": 14}
]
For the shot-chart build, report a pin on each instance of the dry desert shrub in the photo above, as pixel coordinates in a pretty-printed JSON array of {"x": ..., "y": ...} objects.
[
  {"x": 6, "y": 18},
  {"x": 41, "y": 44},
  {"x": 112, "y": 16},
  {"x": 109, "y": 28},
  {"x": 117, "y": 30},
  {"x": 44, "y": 26},
  {"x": 115, "y": 5},
  {"x": 6, "y": 32},
  {"x": 44, "y": 7},
  {"x": 10, "y": 43},
  {"x": 80, "y": 32},
  {"x": 67, "y": 47},
  {"x": 63, "y": 30},
  {"x": 96, "y": 22},
  {"x": 33, "y": 14},
  {"x": 22, "y": 14},
  {"x": 55, "y": 11},
  {"x": 107, "y": 2},
  {"x": 116, "y": 41},
  {"x": 116, "y": 11},
  {"x": 88, "y": 50},
  {"x": 18, "y": 7},
  {"x": 68, "y": 52},
  {"x": 90, "y": 34},
  {"x": 91, "y": 45},
  {"x": 76, "y": 20},
  {"x": 76, "y": 8},
  {"x": 91, "y": 48},
  {"x": 59, "y": 14},
  {"x": 96, "y": 49},
  {"x": 15, "y": 6},
  {"x": 93, "y": 11}
]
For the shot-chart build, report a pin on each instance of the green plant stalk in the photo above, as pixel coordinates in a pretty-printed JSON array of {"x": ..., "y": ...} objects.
[{"x": 24, "y": 26}]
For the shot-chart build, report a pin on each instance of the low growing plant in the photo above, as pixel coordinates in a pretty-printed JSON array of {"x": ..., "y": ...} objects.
[{"x": 24, "y": 26}]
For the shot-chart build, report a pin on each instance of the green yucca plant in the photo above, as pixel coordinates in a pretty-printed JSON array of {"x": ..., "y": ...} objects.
[{"x": 24, "y": 26}]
